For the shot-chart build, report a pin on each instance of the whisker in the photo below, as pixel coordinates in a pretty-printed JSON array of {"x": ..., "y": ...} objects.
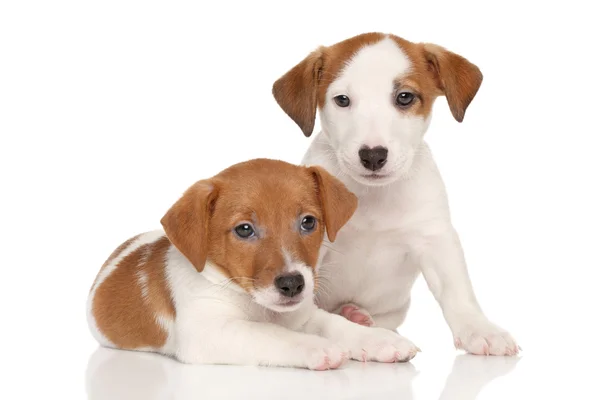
[
  {"x": 322, "y": 287},
  {"x": 331, "y": 248},
  {"x": 226, "y": 283}
]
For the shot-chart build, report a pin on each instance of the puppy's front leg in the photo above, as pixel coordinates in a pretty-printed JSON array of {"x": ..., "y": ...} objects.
[
  {"x": 241, "y": 342},
  {"x": 365, "y": 344},
  {"x": 444, "y": 268}
]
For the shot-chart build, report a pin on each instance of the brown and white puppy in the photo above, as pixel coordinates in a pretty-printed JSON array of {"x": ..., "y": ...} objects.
[
  {"x": 231, "y": 278},
  {"x": 375, "y": 94}
]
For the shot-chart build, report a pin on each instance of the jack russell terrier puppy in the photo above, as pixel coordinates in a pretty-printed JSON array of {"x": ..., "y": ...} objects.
[
  {"x": 230, "y": 280},
  {"x": 375, "y": 93}
]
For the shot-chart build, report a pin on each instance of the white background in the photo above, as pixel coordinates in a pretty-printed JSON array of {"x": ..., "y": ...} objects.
[{"x": 110, "y": 109}]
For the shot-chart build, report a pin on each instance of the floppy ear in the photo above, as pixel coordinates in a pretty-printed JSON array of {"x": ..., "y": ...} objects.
[
  {"x": 186, "y": 222},
  {"x": 455, "y": 76},
  {"x": 296, "y": 91},
  {"x": 337, "y": 202}
]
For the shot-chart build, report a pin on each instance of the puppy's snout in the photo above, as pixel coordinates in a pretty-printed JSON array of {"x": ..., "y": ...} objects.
[
  {"x": 290, "y": 285},
  {"x": 374, "y": 158}
]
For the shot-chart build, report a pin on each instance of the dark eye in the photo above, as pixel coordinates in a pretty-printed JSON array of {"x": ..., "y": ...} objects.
[
  {"x": 405, "y": 99},
  {"x": 308, "y": 223},
  {"x": 342, "y": 100},
  {"x": 244, "y": 231}
]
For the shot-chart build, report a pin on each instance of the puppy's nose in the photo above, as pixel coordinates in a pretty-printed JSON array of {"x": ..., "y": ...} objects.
[
  {"x": 290, "y": 285},
  {"x": 373, "y": 158}
]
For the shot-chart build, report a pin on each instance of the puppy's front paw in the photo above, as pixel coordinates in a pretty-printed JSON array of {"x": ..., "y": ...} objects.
[
  {"x": 382, "y": 345},
  {"x": 484, "y": 338},
  {"x": 323, "y": 355}
]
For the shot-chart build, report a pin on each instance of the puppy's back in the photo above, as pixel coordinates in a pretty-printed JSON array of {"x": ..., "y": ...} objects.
[{"x": 130, "y": 304}]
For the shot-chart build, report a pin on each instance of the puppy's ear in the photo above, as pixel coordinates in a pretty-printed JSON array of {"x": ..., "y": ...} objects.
[
  {"x": 296, "y": 91},
  {"x": 455, "y": 76},
  {"x": 186, "y": 222},
  {"x": 337, "y": 202}
]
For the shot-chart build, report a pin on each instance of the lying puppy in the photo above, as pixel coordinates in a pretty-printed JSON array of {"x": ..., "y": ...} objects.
[
  {"x": 231, "y": 278},
  {"x": 375, "y": 94}
]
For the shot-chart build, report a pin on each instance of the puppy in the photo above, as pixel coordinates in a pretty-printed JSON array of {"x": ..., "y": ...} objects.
[
  {"x": 375, "y": 93},
  {"x": 231, "y": 278}
]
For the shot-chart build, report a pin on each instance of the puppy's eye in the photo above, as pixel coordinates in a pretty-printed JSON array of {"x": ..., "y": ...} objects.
[
  {"x": 405, "y": 99},
  {"x": 308, "y": 224},
  {"x": 244, "y": 231},
  {"x": 342, "y": 100}
]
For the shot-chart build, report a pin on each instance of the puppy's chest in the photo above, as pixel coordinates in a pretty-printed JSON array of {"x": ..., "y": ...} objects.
[
  {"x": 384, "y": 214},
  {"x": 369, "y": 268}
]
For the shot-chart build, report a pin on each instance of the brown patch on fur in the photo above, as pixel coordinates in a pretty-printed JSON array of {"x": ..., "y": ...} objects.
[
  {"x": 455, "y": 76},
  {"x": 271, "y": 195},
  {"x": 424, "y": 90},
  {"x": 297, "y": 91},
  {"x": 122, "y": 313},
  {"x": 114, "y": 255},
  {"x": 439, "y": 72},
  {"x": 420, "y": 79},
  {"x": 187, "y": 220},
  {"x": 302, "y": 88},
  {"x": 338, "y": 203},
  {"x": 436, "y": 71}
]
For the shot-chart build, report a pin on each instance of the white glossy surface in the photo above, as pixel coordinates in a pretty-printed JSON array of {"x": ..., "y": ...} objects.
[
  {"x": 113, "y": 374},
  {"x": 126, "y": 375}
]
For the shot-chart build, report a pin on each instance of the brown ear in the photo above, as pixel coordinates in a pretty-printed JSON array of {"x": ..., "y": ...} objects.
[
  {"x": 456, "y": 77},
  {"x": 337, "y": 201},
  {"x": 186, "y": 222},
  {"x": 296, "y": 91}
]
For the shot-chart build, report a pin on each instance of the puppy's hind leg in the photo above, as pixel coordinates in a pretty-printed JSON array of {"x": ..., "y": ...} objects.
[
  {"x": 355, "y": 314},
  {"x": 390, "y": 320}
]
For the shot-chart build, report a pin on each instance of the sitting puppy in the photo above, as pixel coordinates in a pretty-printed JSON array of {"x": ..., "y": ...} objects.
[
  {"x": 231, "y": 278},
  {"x": 374, "y": 94}
]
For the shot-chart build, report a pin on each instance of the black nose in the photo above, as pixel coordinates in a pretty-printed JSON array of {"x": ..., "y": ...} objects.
[
  {"x": 289, "y": 285},
  {"x": 373, "y": 159}
]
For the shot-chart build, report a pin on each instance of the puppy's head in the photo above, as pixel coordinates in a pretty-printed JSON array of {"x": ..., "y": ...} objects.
[
  {"x": 261, "y": 223},
  {"x": 374, "y": 93}
]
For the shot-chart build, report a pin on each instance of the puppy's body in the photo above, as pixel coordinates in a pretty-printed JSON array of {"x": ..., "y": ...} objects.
[
  {"x": 382, "y": 242},
  {"x": 216, "y": 285},
  {"x": 374, "y": 93},
  {"x": 149, "y": 284}
]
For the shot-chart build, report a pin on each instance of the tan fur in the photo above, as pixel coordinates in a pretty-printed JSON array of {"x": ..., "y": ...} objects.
[
  {"x": 436, "y": 71},
  {"x": 114, "y": 255},
  {"x": 297, "y": 91},
  {"x": 338, "y": 203},
  {"x": 303, "y": 88},
  {"x": 273, "y": 195},
  {"x": 458, "y": 79},
  {"x": 187, "y": 222},
  {"x": 126, "y": 318},
  {"x": 271, "y": 192}
]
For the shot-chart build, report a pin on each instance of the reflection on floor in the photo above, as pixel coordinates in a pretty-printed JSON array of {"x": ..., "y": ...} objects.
[{"x": 114, "y": 374}]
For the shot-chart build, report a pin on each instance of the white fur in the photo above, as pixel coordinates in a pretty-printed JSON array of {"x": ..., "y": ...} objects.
[
  {"x": 218, "y": 322},
  {"x": 168, "y": 326},
  {"x": 402, "y": 226},
  {"x": 143, "y": 282},
  {"x": 371, "y": 119}
]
